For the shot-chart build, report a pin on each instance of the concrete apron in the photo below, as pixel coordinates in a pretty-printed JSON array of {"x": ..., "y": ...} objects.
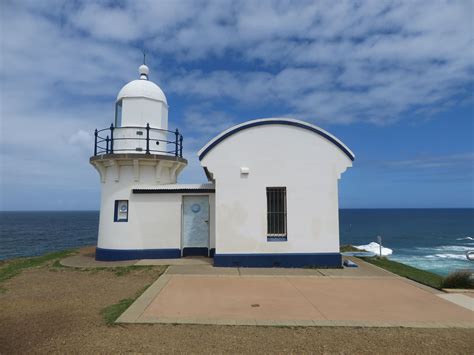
[{"x": 250, "y": 298}]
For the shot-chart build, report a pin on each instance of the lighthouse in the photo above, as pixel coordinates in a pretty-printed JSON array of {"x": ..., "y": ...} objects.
[
  {"x": 265, "y": 203},
  {"x": 136, "y": 151}
]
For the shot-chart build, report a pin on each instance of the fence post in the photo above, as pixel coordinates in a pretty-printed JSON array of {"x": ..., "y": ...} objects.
[
  {"x": 181, "y": 146},
  {"x": 107, "y": 145},
  {"x": 176, "y": 142},
  {"x": 95, "y": 142},
  {"x": 111, "y": 138},
  {"x": 147, "y": 138}
]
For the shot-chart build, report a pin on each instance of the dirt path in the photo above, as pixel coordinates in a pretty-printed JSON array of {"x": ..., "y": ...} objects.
[{"x": 50, "y": 309}]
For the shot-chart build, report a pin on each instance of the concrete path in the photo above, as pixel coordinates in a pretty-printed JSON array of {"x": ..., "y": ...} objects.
[
  {"x": 87, "y": 260},
  {"x": 294, "y": 300},
  {"x": 193, "y": 291},
  {"x": 460, "y": 299},
  {"x": 364, "y": 270}
]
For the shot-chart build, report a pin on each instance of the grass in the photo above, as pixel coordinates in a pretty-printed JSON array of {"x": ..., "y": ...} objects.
[
  {"x": 12, "y": 268},
  {"x": 112, "y": 312},
  {"x": 125, "y": 270},
  {"x": 424, "y": 277},
  {"x": 118, "y": 270},
  {"x": 15, "y": 267}
]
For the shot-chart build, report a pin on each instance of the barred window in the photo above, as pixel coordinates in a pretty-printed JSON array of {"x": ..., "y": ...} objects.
[{"x": 276, "y": 213}]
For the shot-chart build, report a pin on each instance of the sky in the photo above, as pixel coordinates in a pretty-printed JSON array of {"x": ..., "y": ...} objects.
[{"x": 392, "y": 79}]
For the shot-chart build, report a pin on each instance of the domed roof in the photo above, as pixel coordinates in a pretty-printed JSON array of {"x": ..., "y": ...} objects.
[{"x": 142, "y": 88}]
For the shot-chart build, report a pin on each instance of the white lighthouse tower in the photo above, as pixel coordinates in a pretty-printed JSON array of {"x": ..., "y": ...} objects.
[{"x": 136, "y": 151}]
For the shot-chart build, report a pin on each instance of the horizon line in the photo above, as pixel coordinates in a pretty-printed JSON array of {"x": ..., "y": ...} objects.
[{"x": 342, "y": 208}]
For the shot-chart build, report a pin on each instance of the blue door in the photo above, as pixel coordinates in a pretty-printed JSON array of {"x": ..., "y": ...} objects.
[{"x": 195, "y": 225}]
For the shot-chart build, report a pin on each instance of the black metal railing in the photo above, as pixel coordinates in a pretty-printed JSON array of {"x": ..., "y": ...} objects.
[{"x": 130, "y": 139}]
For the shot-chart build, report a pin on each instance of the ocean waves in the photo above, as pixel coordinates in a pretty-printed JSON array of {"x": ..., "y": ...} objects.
[
  {"x": 446, "y": 248},
  {"x": 441, "y": 259},
  {"x": 375, "y": 248},
  {"x": 447, "y": 256}
]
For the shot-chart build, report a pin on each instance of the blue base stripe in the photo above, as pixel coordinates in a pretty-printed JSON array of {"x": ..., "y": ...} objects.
[
  {"x": 134, "y": 254},
  {"x": 322, "y": 260}
]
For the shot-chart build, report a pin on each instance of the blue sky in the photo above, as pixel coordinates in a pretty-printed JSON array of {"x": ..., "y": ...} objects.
[{"x": 392, "y": 79}]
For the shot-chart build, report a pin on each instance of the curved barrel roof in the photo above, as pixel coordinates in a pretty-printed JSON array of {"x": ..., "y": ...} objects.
[{"x": 274, "y": 121}]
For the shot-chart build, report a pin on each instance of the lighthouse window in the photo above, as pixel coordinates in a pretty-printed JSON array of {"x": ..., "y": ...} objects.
[
  {"x": 276, "y": 214},
  {"x": 121, "y": 211},
  {"x": 118, "y": 114}
]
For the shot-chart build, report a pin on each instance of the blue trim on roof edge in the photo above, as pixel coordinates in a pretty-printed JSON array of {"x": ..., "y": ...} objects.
[
  {"x": 283, "y": 122},
  {"x": 135, "y": 254},
  {"x": 324, "y": 260}
]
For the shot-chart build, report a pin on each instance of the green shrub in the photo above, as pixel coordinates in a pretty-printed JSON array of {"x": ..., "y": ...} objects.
[
  {"x": 350, "y": 248},
  {"x": 459, "y": 279}
]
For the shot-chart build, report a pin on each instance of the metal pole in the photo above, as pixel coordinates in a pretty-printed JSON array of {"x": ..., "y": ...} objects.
[
  {"x": 95, "y": 142},
  {"x": 147, "y": 137},
  {"x": 379, "y": 239},
  {"x": 111, "y": 138},
  {"x": 181, "y": 146},
  {"x": 107, "y": 145},
  {"x": 176, "y": 142}
]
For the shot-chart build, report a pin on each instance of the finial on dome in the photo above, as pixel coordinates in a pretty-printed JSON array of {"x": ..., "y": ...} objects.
[{"x": 143, "y": 70}]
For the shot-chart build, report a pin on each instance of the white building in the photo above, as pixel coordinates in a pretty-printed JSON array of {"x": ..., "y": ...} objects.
[{"x": 271, "y": 200}]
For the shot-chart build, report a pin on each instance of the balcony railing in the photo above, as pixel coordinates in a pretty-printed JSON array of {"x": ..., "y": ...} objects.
[{"x": 147, "y": 140}]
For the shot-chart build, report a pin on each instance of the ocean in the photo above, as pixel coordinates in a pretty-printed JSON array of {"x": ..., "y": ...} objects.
[{"x": 431, "y": 239}]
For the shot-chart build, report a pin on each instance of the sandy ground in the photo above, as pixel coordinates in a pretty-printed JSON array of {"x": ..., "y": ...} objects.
[{"x": 58, "y": 310}]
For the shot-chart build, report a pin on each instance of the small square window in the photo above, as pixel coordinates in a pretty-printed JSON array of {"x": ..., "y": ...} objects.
[{"x": 121, "y": 211}]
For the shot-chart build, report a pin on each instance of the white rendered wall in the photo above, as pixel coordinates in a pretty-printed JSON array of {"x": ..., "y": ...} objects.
[
  {"x": 138, "y": 111},
  {"x": 307, "y": 164},
  {"x": 139, "y": 141},
  {"x": 154, "y": 220}
]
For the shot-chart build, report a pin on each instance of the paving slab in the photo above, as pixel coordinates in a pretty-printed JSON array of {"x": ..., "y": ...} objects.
[
  {"x": 298, "y": 301},
  {"x": 137, "y": 308},
  {"x": 86, "y": 259},
  {"x": 371, "y": 299},
  {"x": 179, "y": 261},
  {"x": 201, "y": 270},
  {"x": 230, "y": 298},
  {"x": 460, "y": 299},
  {"x": 250, "y": 271}
]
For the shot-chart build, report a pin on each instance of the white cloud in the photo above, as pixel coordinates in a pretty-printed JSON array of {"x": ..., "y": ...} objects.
[
  {"x": 62, "y": 63},
  {"x": 82, "y": 139},
  {"x": 435, "y": 162}
]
